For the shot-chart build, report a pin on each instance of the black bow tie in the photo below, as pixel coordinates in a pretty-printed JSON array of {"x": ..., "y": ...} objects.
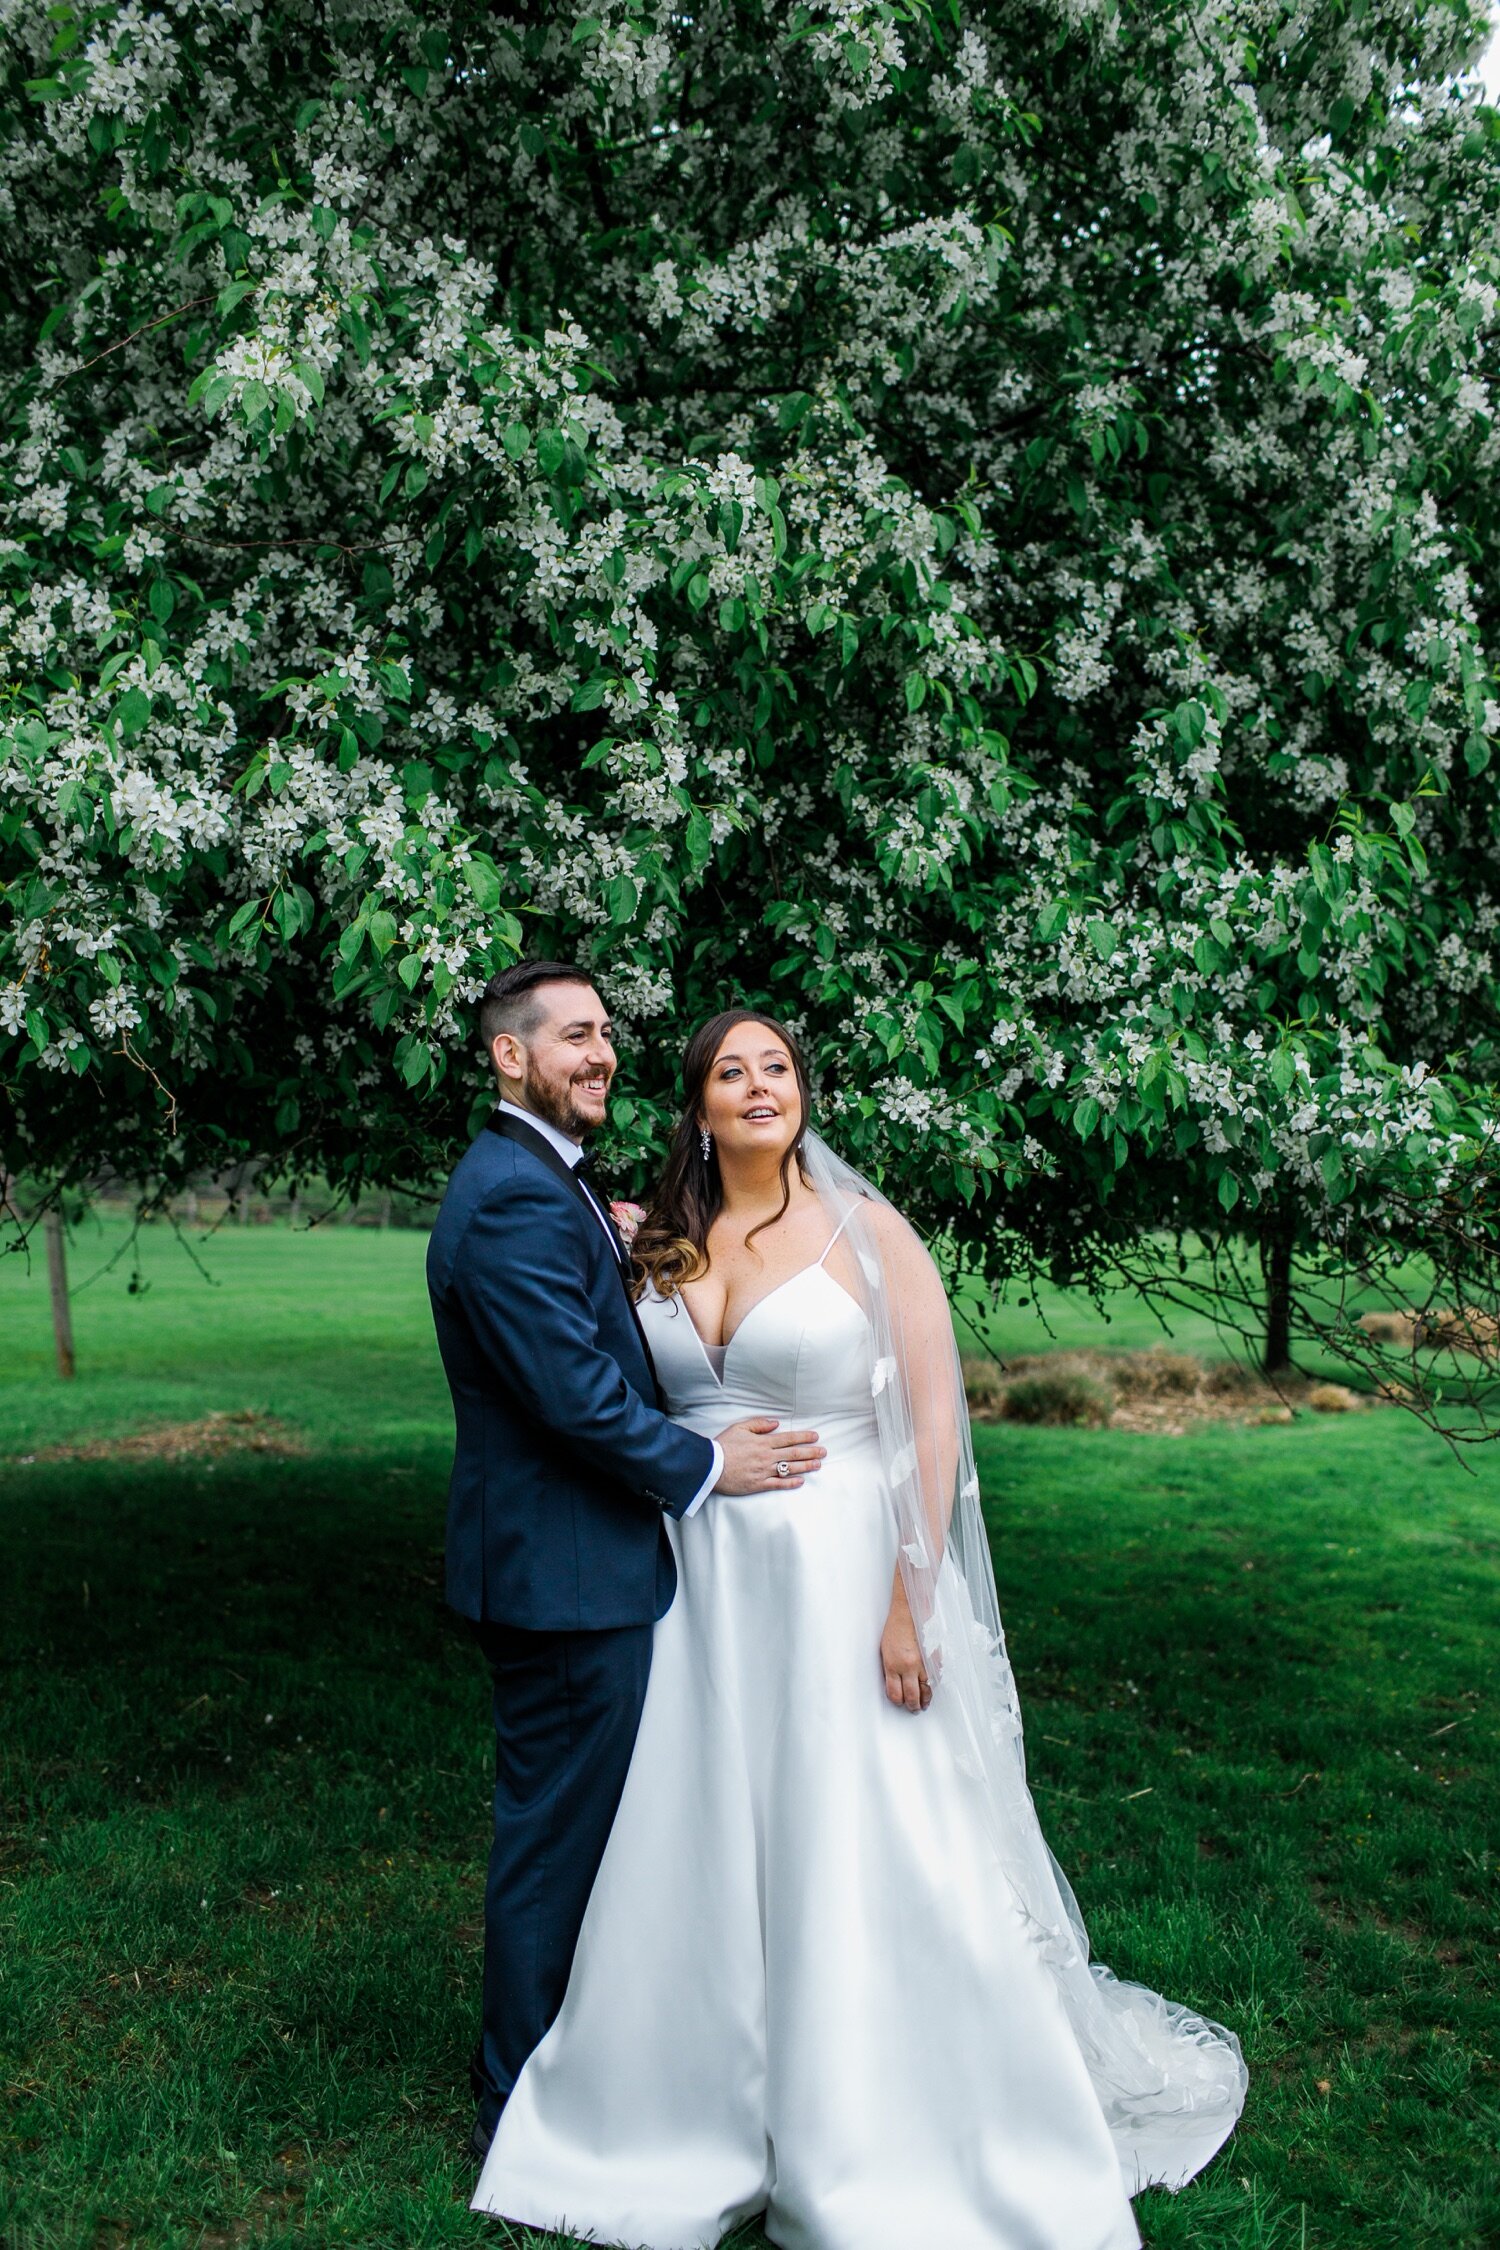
[{"x": 586, "y": 1161}]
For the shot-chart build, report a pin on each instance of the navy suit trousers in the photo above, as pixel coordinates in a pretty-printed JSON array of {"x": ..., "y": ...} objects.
[{"x": 567, "y": 1706}]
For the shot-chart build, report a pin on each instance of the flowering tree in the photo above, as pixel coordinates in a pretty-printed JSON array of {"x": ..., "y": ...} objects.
[{"x": 973, "y": 523}]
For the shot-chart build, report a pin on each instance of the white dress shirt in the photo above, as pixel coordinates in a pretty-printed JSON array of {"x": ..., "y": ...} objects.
[{"x": 571, "y": 1152}]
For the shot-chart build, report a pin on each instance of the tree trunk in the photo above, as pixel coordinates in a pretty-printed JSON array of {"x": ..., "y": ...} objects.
[
  {"x": 57, "y": 1276},
  {"x": 1276, "y": 1265}
]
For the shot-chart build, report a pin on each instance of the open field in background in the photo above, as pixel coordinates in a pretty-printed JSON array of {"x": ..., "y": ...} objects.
[{"x": 243, "y": 1771}]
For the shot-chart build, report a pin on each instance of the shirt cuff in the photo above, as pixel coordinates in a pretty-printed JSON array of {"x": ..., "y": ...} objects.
[{"x": 708, "y": 1483}]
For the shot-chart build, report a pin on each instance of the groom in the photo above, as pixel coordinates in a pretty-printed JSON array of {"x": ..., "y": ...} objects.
[{"x": 564, "y": 1466}]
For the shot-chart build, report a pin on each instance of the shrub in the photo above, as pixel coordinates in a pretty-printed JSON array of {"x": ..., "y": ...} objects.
[{"x": 1061, "y": 1401}]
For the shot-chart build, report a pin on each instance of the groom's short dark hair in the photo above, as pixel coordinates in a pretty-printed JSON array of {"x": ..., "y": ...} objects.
[{"x": 510, "y": 1002}]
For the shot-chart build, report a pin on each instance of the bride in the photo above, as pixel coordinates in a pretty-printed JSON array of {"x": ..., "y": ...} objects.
[{"x": 829, "y": 1969}]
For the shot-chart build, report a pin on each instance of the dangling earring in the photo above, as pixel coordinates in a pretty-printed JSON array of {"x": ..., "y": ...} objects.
[{"x": 705, "y": 1141}]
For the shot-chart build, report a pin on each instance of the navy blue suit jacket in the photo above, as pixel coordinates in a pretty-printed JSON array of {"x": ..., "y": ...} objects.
[{"x": 563, "y": 1461}]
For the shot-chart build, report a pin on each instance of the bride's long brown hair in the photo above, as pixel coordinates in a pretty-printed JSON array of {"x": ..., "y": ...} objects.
[{"x": 671, "y": 1243}]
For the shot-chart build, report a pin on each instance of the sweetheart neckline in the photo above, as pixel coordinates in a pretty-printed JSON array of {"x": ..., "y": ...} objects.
[{"x": 817, "y": 1266}]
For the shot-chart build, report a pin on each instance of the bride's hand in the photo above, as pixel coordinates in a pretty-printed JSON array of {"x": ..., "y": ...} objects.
[{"x": 906, "y": 1681}]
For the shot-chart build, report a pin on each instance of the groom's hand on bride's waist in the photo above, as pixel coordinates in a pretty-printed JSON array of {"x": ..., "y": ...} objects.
[{"x": 761, "y": 1456}]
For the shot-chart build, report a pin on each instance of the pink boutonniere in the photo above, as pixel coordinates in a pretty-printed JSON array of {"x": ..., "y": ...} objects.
[{"x": 627, "y": 1217}]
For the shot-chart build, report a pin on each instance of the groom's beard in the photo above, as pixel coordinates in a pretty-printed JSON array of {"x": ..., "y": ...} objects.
[{"x": 556, "y": 1105}]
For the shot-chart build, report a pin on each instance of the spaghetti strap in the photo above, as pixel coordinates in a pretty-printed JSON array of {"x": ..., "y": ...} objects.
[{"x": 838, "y": 1230}]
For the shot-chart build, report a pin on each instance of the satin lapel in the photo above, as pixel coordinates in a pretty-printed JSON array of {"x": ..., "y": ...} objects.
[
  {"x": 600, "y": 1207},
  {"x": 517, "y": 1130}
]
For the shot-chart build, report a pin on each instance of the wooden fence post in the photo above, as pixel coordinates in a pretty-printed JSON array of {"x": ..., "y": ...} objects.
[{"x": 57, "y": 1276}]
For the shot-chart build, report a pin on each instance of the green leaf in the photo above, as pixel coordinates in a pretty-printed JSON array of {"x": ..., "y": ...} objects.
[
  {"x": 1103, "y": 937},
  {"x": 793, "y": 410},
  {"x": 1229, "y": 1190},
  {"x": 132, "y": 711},
  {"x": 354, "y": 326},
  {"x": 483, "y": 879},
  {"x": 620, "y": 898},
  {"x": 698, "y": 838},
  {"x": 916, "y": 691},
  {"x": 515, "y": 437}
]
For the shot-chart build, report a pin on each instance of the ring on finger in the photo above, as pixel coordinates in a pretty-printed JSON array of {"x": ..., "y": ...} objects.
[{"x": 783, "y": 1468}]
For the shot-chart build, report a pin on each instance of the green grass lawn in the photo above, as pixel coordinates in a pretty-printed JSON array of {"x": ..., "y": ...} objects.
[{"x": 244, "y": 1775}]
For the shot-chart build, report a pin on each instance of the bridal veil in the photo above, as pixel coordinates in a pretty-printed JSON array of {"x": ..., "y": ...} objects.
[{"x": 1170, "y": 2083}]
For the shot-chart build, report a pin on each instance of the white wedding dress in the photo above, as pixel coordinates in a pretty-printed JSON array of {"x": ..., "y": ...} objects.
[{"x": 800, "y": 1987}]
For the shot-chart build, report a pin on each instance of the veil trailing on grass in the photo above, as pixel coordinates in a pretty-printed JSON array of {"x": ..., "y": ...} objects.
[{"x": 1171, "y": 2084}]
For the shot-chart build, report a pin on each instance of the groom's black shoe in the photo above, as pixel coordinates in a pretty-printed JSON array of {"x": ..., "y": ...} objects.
[{"x": 482, "y": 2131}]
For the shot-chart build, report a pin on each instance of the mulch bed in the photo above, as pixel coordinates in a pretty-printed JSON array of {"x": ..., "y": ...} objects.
[
  {"x": 1154, "y": 1393},
  {"x": 232, "y": 1431}
]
